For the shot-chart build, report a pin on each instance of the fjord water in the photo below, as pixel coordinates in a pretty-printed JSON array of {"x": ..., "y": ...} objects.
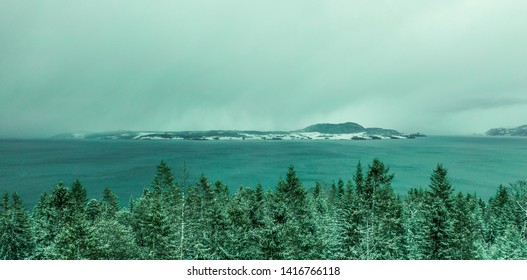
[{"x": 475, "y": 164}]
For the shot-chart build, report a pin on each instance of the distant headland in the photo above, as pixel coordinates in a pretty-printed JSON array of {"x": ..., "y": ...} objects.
[{"x": 517, "y": 131}]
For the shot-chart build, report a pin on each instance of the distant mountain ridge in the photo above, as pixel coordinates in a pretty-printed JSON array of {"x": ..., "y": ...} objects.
[
  {"x": 348, "y": 127},
  {"x": 322, "y": 131},
  {"x": 517, "y": 131}
]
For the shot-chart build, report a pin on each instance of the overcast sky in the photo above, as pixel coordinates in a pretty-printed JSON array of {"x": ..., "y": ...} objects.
[{"x": 438, "y": 67}]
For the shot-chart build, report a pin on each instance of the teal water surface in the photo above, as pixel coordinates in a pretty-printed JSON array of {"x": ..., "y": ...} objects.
[{"x": 475, "y": 164}]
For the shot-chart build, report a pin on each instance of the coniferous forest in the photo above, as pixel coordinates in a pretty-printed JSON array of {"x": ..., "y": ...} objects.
[{"x": 361, "y": 218}]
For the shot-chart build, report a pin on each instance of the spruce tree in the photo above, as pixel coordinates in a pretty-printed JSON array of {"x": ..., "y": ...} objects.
[
  {"x": 439, "y": 216},
  {"x": 22, "y": 234},
  {"x": 173, "y": 201},
  {"x": 191, "y": 240},
  {"x": 416, "y": 225},
  {"x": 51, "y": 215},
  {"x": 163, "y": 179},
  {"x": 79, "y": 195},
  {"x": 93, "y": 210},
  {"x": 340, "y": 190},
  {"x": 348, "y": 219},
  {"x": 115, "y": 241},
  {"x": 16, "y": 240},
  {"x": 109, "y": 203},
  {"x": 379, "y": 218},
  {"x": 509, "y": 246},
  {"x": 440, "y": 185},
  {"x": 241, "y": 238},
  {"x": 6, "y": 227},
  {"x": 75, "y": 240},
  {"x": 44, "y": 228},
  {"x": 257, "y": 207},
  {"x": 295, "y": 218},
  {"x": 215, "y": 221},
  {"x": 61, "y": 203},
  {"x": 461, "y": 242},
  {"x": 263, "y": 231},
  {"x": 519, "y": 200},
  {"x": 151, "y": 227},
  {"x": 358, "y": 178},
  {"x": 329, "y": 231}
]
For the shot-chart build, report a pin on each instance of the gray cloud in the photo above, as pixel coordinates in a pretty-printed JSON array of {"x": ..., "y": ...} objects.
[{"x": 447, "y": 67}]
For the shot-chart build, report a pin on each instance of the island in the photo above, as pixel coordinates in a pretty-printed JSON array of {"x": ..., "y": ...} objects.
[{"x": 322, "y": 131}]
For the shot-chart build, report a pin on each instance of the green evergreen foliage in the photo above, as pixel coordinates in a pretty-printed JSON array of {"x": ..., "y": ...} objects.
[
  {"x": 358, "y": 178},
  {"x": 262, "y": 230},
  {"x": 54, "y": 217},
  {"x": 377, "y": 179},
  {"x": 440, "y": 185},
  {"x": 519, "y": 200},
  {"x": 257, "y": 210},
  {"x": 242, "y": 239},
  {"x": 164, "y": 178},
  {"x": 363, "y": 218},
  {"x": 340, "y": 189},
  {"x": 93, "y": 210},
  {"x": 329, "y": 230},
  {"x": 441, "y": 223},
  {"x": 349, "y": 217},
  {"x": 75, "y": 240},
  {"x": 109, "y": 203},
  {"x": 467, "y": 227},
  {"x": 416, "y": 224},
  {"x": 16, "y": 237},
  {"x": 115, "y": 241},
  {"x": 22, "y": 229},
  {"x": 509, "y": 246},
  {"x": 293, "y": 217},
  {"x": 151, "y": 227},
  {"x": 190, "y": 242},
  {"x": 43, "y": 228},
  {"x": 79, "y": 195},
  {"x": 6, "y": 227},
  {"x": 61, "y": 202},
  {"x": 215, "y": 221},
  {"x": 62, "y": 229},
  {"x": 379, "y": 215}
]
